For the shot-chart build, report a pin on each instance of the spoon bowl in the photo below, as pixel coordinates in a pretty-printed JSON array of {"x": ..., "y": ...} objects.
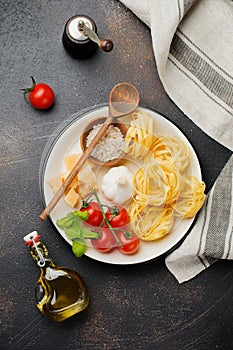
[{"x": 123, "y": 99}]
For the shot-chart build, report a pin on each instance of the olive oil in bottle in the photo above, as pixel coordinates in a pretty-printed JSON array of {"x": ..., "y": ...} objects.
[{"x": 60, "y": 292}]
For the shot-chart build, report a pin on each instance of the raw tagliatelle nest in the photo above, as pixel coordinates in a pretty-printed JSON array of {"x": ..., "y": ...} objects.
[{"x": 162, "y": 189}]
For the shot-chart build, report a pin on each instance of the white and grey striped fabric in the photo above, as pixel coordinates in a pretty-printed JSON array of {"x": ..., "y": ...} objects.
[
  {"x": 193, "y": 47},
  {"x": 211, "y": 237}
]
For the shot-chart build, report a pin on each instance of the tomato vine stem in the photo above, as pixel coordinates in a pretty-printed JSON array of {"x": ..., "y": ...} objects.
[
  {"x": 105, "y": 218},
  {"x": 28, "y": 90}
]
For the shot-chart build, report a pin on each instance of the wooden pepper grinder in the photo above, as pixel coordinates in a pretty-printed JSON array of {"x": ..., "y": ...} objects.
[{"x": 80, "y": 37}]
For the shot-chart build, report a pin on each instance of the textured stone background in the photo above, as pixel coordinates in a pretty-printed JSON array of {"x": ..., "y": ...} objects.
[{"x": 133, "y": 307}]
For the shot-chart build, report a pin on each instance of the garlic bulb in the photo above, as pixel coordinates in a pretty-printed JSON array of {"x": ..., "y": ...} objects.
[{"x": 117, "y": 184}]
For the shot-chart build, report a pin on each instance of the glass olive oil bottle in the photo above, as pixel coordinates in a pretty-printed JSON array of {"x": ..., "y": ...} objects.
[{"x": 60, "y": 292}]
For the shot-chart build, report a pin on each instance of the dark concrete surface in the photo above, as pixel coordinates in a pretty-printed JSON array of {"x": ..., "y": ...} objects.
[{"x": 137, "y": 307}]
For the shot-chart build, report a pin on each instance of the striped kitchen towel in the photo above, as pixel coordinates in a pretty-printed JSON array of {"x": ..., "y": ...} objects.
[
  {"x": 211, "y": 237},
  {"x": 193, "y": 47}
]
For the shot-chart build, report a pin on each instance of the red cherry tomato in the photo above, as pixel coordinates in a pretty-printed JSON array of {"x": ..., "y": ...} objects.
[
  {"x": 130, "y": 245},
  {"x": 95, "y": 216},
  {"x": 41, "y": 96},
  {"x": 106, "y": 243},
  {"x": 117, "y": 216}
]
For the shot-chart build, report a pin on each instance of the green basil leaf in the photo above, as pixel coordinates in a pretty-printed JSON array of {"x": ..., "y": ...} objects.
[
  {"x": 73, "y": 231},
  {"x": 89, "y": 234},
  {"x": 83, "y": 215},
  {"x": 79, "y": 247},
  {"x": 65, "y": 222}
]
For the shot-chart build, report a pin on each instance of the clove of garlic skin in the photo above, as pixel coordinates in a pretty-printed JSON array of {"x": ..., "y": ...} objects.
[{"x": 117, "y": 184}]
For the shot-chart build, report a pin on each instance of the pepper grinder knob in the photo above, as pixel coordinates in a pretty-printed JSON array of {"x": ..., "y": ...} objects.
[
  {"x": 106, "y": 45},
  {"x": 80, "y": 37}
]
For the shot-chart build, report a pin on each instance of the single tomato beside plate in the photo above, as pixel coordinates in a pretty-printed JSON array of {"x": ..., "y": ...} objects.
[{"x": 41, "y": 96}]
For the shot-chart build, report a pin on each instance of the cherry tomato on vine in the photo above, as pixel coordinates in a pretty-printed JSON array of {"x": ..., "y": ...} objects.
[
  {"x": 106, "y": 243},
  {"x": 95, "y": 216},
  {"x": 130, "y": 244},
  {"x": 41, "y": 96},
  {"x": 117, "y": 216}
]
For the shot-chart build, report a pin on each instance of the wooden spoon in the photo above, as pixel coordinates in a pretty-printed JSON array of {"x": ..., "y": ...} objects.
[{"x": 123, "y": 99}]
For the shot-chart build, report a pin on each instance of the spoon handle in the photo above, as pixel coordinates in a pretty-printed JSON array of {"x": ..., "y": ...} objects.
[{"x": 63, "y": 188}]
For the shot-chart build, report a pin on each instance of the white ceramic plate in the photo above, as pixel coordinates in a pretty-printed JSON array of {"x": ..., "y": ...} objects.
[{"x": 66, "y": 141}]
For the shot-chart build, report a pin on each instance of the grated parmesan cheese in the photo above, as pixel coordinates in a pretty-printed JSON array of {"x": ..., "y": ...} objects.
[{"x": 110, "y": 146}]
